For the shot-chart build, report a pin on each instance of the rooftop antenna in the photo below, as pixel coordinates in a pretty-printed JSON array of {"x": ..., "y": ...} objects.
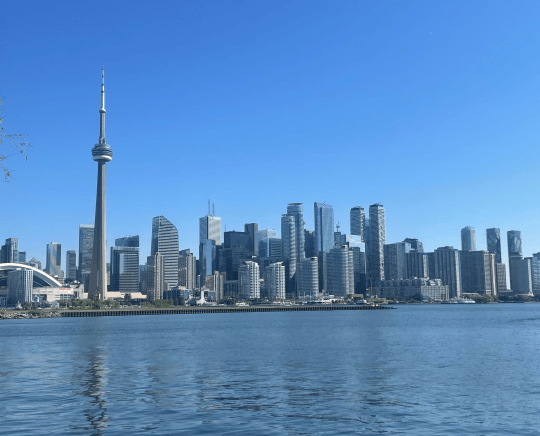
[
  {"x": 213, "y": 210},
  {"x": 208, "y": 206},
  {"x": 337, "y": 226}
]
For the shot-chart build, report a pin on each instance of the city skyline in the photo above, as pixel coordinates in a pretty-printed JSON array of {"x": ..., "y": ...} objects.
[{"x": 331, "y": 104}]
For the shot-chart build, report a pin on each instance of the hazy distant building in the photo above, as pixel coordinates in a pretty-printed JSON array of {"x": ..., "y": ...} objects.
[
  {"x": 263, "y": 234},
  {"x": 307, "y": 278},
  {"x": 359, "y": 268},
  {"x": 493, "y": 238},
  {"x": 155, "y": 276},
  {"x": 358, "y": 221},
  {"x": 288, "y": 241},
  {"x": 165, "y": 241},
  {"x": 324, "y": 227},
  {"x": 9, "y": 252},
  {"x": 478, "y": 272},
  {"x": 249, "y": 281},
  {"x": 415, "y": 244},
  {"x": 339, "y": 239},
  {"x": 271, "y": 247},
  {"x": 34, "y": 262},
  {"x": 86, "y": 246},
  {"x": 53, "y": 264},
  {"x": 20, "y": 286},
  {"x": 22, "y": 256},
  {"x": 447, "y": 268},
  {"x": 377, "y": 224},
  {"x": 339, "y": 267},
  {"x": 468, "y": 239},
  {"x": 71, "y": 265},
  {"x": 210, "y": 228},
  {"x": 515, "y": 246},
  {"x": 297, "y": 211},
  {"x": 187, "y": 269},
  {"x": 125, "y": 268},
  {"x": 274, "y": 281},
  {"x": 251, "y": 229},
  {"x": 395, "y": 261}
]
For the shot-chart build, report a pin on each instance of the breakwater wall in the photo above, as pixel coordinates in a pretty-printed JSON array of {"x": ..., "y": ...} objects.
[{"x": 198, "y": 310}]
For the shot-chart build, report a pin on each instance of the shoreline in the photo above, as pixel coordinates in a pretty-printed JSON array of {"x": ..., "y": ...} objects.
[{"x": 55, "y": 313}]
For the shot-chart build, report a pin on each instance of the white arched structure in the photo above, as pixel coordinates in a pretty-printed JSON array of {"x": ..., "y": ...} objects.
[{"x": 41, "y": 278}]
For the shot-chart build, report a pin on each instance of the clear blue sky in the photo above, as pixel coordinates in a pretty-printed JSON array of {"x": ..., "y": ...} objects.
[{"x": 431, "y": 108}]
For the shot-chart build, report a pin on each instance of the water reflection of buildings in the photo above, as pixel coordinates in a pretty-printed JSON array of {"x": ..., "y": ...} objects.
[{"x": 92, "y": 382}]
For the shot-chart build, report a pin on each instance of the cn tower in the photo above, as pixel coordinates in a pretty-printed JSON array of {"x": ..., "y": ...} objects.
[{"x": 102, "y": 154}]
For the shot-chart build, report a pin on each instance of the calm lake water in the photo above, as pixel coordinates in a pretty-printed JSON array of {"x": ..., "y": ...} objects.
[{"x": 432, "y": 369}]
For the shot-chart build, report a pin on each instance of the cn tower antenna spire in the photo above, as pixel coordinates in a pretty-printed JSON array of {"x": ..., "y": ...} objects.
[{"x": 102, "y": 110}]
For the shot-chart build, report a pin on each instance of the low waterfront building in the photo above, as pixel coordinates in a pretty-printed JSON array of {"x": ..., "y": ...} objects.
[{"x": 409, "y": 288}]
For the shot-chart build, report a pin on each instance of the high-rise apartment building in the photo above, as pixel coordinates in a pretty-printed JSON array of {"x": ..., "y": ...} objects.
[
  {"x": 274, "y": 281},
  {"x": 9, "y": 252},
  {"x": 288, "y": 241},
  {"x": 20, "y": 286},
  {"x": 53, "y": 265},
  {"x": 249, "y": 281},
  {"x": 86, "y": 246},
  {"x": 339, "y": 266},
  {"x": 535, "y": 273},
  {"x": 71, "y": 265},
  {"x": 516, "y": 266},
  {"x": 359, "y": 267},
  {"x": 493, "y": 238},
  {"x": 297, "y": 211},
  {"x": 478, "y": 272},
  {"x": 307, "y": 278},
  {"x": 155, "y": 276},
  {"x": 395, "y": 261},
  {"x": 358, "y": 221},
  {"x": 165, "y": 241},
  {"x": 501, "y": 278},
  {"x": 417, "y": 264},
  {"x": 468, "y": 239},
  {"x": 447, "y": 268},
  {"x": 125, "y": 268},
  {"x": 377, "y": 224},
  {"x": 187, "y": 266}
]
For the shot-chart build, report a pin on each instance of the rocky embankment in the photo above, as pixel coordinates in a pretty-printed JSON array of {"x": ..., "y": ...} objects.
[{"x": 31, "y": 314}]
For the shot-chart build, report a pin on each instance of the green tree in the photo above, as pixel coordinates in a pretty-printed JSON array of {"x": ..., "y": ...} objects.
[{"x": 17, "y": 146}]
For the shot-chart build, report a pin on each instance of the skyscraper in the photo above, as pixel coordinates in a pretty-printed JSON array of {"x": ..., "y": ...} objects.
[
  {"x": 377, "y": 224},
  {"x": 358, "y": 220},
  {"x": 468, "y": 239},
  {"x": 297, "y": 211},
  {"x": 478, "y": 272},
  {"x": 493, "y": 238},
  {"x": 263, "y": 234},
  {"x": 165, "y": 241},
  {"x": 155, "y": 277},
  {"x": 125, "y": 268},
  {"x": 339, "y": 277},
  {"x": 187, "y": 274},
  {"x": 101, "y": 153},
  {"x": 209, "y": 239},
  {"x": 307, "y": 278},
  {"x": 415, "y": 244},
  {"x": 251, "y": 229},
  {"x": 274, "y": 280},
  {"x": 249, "y": 281},
  {"x": 20, "y": 285},
  {"x": 535, "y": 273},
  {"x": 71, "y": 265},
  {"x": 288, "y": 240},
  {"x": 515, "y": 257},
  {"x": 9, "y": 252},
  {"x": 86, "y": 244},
  {"x": 53, "y": 264},
  {"x": 210, "y": 228},
  {"x": 417, "y": 265},
  {"x": 395, "y": 261},
  {"x": 324, "y": 227},
  {"x": 447, "y": 268}
]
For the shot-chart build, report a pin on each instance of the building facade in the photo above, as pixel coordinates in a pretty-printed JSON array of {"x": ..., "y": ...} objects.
[
  {"x": 377, "y": 240},
  {"x": 274, "y": 281},
  {"x": 307, "y": 278},
  {"x": 446, "y": 266},
  {"x": 71, "y": 265},
  {"x": 339, "y": 271},
  {"x": 358, "y": 221},
  {"x": 86, "y": 246},
  {"x": 249, "y": 281},
  {"x": 20, "y": 286},
  {"x": 478, "y": 272},
  {"x": 468, "y": 239},
  {"x": 493, "y": 238},
  {"x": 125, "y": 268},
  {"x": 53, "y": 265},
  {"x": 187, "y": 269},
  {"x": 165, "y": 241}
]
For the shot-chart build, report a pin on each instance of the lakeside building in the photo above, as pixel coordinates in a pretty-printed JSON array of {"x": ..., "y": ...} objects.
[
  {"x": 409, "y": 288},
  {"x": 249, "y": 280},
  {"x": 71, "y": 265},
  {"x": 165, "y": 241},
  {"x": 307, "y": 278},
  {"x": 377, "y": 226},
  {"x": 274, "y": 281},
  {"x": 86, "y": 247},
  {"x": 187, "y": 269},
  {"x": 478, "y": 272}
]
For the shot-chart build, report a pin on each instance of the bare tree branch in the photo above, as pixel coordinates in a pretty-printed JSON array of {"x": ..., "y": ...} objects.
[{"x": 16, "y": 145}]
